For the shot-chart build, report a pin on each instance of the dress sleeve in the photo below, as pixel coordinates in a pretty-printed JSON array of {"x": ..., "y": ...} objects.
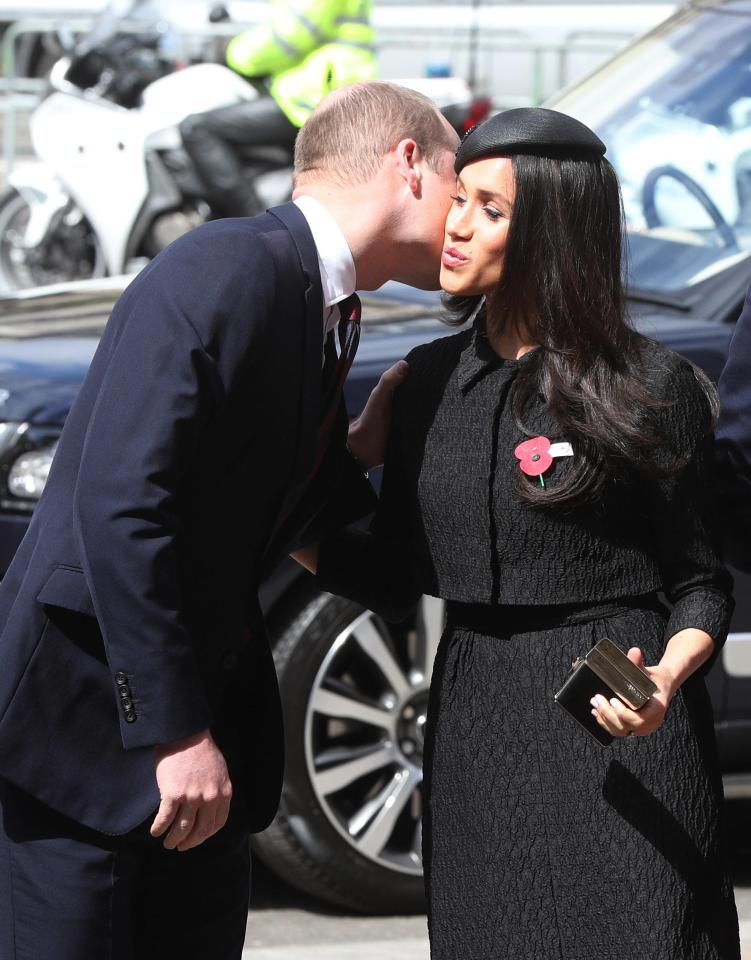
[
  {"x": 378, "y": 567},
  {"x": 683, "y": 514}
]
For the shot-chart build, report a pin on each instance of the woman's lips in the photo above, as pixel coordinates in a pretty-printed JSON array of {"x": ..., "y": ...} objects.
[{"x": 452, "y": 257}]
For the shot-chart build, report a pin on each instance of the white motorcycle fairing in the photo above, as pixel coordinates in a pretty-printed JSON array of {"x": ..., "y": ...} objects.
[
  {"x": 44, "y": 195},
  {"x": 99, "y": 150},
  {"x": 169, "y": 100}
]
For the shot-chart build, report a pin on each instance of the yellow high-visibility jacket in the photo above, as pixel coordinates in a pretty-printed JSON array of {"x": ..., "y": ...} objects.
[{"x": 307, "y": 48}]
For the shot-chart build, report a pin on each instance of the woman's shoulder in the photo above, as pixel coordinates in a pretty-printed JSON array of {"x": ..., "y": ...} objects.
[
  {"x": 683, "y": 399},
  {"x": 438, "y": 354},
  {"x": 430, "y": 368},
  {"x": 671, "y": 376}
]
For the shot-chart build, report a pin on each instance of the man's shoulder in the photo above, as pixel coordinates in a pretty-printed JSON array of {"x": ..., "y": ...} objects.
[
  {"x": 237, "y": 236},
  {"x": 218, "y": 272},
  {"x": 223, "y": 258}
]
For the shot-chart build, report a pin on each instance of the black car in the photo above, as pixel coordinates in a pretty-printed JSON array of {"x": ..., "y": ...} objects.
[{"x": 354, "y": 688}]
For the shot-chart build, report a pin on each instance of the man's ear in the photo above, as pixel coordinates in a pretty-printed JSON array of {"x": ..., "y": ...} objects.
[{"x": 409, "y": 162}]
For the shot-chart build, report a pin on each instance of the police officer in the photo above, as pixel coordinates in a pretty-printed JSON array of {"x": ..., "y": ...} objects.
[{"x": 304, "y": 50}]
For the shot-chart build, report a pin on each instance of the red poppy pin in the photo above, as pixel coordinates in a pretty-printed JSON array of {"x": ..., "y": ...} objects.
[{"x": 535, "y": 456}]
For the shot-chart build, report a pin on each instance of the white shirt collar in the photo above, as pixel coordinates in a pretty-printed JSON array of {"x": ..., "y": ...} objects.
[{"x": 335, "y": 261}]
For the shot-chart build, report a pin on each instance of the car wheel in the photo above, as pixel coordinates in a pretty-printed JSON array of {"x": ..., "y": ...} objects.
[{"x": 354, "y": 692}]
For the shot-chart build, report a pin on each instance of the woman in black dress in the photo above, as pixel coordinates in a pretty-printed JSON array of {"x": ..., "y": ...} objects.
[{"x": 538, "y": 843}]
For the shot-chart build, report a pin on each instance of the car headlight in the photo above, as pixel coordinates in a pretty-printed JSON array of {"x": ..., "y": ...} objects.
[
  {"x": 28, "y": 473},
  {"x": 10, "y": 434}
]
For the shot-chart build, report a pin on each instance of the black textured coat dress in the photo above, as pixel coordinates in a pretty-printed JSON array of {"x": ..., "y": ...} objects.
[{"x": 538, "y": 843}]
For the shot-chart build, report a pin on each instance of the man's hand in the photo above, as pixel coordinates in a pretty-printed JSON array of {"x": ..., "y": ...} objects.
[
  {"x": 369, "y": 432},
  {"x": 195, "y": 789}
]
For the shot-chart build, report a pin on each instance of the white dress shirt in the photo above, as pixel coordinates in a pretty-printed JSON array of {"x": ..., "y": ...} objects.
[{"x": 334, "y": 259}]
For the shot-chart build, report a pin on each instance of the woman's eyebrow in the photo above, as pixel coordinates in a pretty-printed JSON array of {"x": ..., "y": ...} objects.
[
  {"x": 492, "y": 195},
  {"x": 489, "y": 194}
]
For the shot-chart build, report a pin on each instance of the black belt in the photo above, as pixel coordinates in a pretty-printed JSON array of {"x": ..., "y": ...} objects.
[{"x": 504, "y": 619}]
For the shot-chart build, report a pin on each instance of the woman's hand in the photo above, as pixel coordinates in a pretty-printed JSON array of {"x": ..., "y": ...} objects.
[
  {"x": 621, "y": 721},
  {"x": 685, "y": 652}
]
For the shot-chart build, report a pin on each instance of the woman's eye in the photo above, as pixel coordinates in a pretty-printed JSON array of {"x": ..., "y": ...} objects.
[
  {"x": 493, "y": 214},
  {"x": 458, "y": 199}
]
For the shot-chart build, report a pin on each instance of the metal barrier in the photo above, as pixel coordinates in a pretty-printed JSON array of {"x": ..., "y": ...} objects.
[
  {"x": 22, "y": 94},
  {"x": 495, "y": 42},
  {"x": 586, "y": 40}
]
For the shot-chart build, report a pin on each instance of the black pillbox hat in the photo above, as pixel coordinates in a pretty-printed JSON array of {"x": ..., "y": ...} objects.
[{"x": 529, "y": 130}]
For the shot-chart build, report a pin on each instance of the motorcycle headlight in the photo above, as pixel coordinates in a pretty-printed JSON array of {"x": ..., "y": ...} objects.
[{"x": 28, "y": 473}]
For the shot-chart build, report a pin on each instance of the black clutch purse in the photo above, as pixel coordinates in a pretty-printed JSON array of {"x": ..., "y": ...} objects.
[{"x": 608, "y": 671}]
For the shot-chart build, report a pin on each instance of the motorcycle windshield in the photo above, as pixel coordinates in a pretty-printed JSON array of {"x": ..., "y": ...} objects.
[{"x": 109, "y": 22}]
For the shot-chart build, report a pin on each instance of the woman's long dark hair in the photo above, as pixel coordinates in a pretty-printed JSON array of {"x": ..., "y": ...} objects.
[{"x": 562, "y": 279}]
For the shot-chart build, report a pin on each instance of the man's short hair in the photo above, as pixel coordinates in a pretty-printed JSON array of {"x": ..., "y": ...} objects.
[{"x": 347, "y": 136}]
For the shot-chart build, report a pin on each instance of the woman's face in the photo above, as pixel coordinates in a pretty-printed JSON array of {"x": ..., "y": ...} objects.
[{"x": 477, "y": 227}]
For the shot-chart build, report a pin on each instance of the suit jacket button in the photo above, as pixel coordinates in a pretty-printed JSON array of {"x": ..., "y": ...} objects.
[
  {"x": 230, "y": 661},
  {"x": 120, "y": 679},
  {"x": 127, "y": 704},
  {"x": 130, "y": 716},
  {"x": 124, "y": 692}
]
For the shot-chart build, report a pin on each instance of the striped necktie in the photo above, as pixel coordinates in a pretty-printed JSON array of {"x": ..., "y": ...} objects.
[{"x": 350, "y": 311}]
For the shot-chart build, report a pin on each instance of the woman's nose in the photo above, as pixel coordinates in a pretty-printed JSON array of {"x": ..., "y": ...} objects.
[{"x": 458, "y": 223}]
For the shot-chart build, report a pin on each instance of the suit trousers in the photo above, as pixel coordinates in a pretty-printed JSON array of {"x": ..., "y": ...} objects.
[{"x": 70, "y": 893}]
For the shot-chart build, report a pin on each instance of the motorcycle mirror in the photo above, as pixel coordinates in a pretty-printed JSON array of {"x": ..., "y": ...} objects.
[{"x": 218, "y": 14}]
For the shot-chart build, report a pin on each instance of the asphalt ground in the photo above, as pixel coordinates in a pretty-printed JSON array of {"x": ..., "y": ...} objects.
[{"x": 286, "y": 925}]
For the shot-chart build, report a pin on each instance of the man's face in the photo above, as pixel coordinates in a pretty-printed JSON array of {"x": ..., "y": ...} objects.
[{"x": 429, "y": 218}]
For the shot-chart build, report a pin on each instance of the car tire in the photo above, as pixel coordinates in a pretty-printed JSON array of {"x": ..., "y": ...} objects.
[{"x": 309, "y": 844}]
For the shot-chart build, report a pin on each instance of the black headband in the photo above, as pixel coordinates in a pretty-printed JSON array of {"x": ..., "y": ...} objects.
[{"x": 529, "y": 130}]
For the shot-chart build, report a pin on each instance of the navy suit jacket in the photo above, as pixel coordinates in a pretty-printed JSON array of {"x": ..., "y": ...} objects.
[
  {"x": 734, "y": 443},
  {"x": 180, "y": 479}
]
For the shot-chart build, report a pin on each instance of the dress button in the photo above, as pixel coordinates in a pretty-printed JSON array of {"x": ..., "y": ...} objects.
[
  {"x": 230, "y": 661},
  {"x": 120, "y": 679},
  {"x": 130, "y": 716}
]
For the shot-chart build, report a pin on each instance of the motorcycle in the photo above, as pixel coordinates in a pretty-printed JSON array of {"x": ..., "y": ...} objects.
[{"x": 114, "y": 185}]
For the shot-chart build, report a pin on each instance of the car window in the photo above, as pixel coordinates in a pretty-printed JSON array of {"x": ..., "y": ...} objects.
[{"x": 675, "y": 112}]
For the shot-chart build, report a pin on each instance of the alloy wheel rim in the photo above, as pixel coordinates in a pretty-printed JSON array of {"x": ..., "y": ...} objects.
[{"x": 364, "y": 734}]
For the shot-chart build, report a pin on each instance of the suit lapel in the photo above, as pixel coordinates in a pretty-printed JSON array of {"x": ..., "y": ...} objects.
[{"x": 311, "y": 344}]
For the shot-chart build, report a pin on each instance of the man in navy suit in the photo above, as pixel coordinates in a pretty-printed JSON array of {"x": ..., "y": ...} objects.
[
  {"x": 734, "y": 444},
  {"x": 140, "y": 726}
]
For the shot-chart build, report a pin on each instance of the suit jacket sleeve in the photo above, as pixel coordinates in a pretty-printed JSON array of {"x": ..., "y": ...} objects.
[
  {"x": 159, "y": 392},
  {"x": 684, "y": 516},
  {"x": 339, "y": 495},
  {"x": 378, "y": 567},
  {"x": 734, "y": 444}
]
